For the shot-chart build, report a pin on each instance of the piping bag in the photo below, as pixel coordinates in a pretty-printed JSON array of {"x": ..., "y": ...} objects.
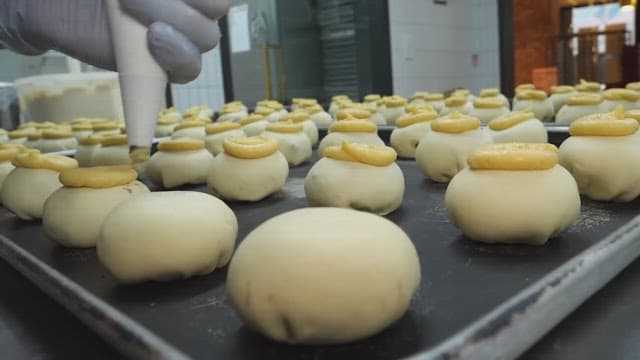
[{"x": 142, "y": 81}]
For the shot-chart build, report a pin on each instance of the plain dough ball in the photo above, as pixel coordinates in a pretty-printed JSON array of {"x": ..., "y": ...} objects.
[
  {"x": 51, "y": 145},
  {"x": 528, "y": 131},
  {"x": 24, "y": 191},
  {"x": 321, "y": 118},
  {"x": 542, "y": 109},
  {"x": 85, "y": 153},
  {"x": 196, "y": 132},
  {"x": 496, "y": 206},
  {"x": 348, "y": 184},
  {"x": 296, "y": 147},
  {"x": 213, "y": 142},
  {"x": 167, "y": 235},
  {"x": 568, "y": 113},
  {"x": 336, "y": 138},
  {"x": 111, "y": 155},
  {"x": 605, "y": 168},
  {"x": 175, "y": 168},
  {"x": 247, "y": 179},
  {"x": 323, "y": 276},
  {"x": 487, "y": 114},
  {"x": 440, "y": 155},
  {"x": 405, "y": 140},
  {"x": 73, "y": 216}
]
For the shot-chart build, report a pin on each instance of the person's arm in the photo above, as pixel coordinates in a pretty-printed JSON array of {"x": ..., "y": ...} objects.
[{"x": 179, "y": 30}]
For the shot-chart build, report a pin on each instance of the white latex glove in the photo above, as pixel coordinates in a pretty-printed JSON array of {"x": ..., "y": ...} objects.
[{"x": 179, "y": 30}]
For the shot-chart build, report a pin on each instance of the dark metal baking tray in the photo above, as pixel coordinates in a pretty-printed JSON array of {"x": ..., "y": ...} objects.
[{"x": 475, "y": 300}]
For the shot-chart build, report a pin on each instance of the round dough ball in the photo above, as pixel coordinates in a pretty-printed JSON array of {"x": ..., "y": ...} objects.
[
  {"x": 321, "y": 118},
  {"x": 391, "y": 114},
  {"x": 213, "y": 142},
  {"x": 528, "y": 131},
  {"x": 295, "y": 147},
  {"x": 111, "y": 155},
  {"x": 5, "y": 168},
  {"x": 73, "y": 216},
  {"x": 440, "y": 156},
  {"x": 52, "y": 145},
  {"x": 568, "y": 113},
  {"x": 25, "y": 190},
  {"x": 606, "y": 168},
  {"x": 234, "y": 116},
  {"x": 610, "y": 105},
  {"x": 405, "y": 139},
  {"x": 238, "y": 179},
  {"x": 303, "y": 277},
  {"x": 311, "y": 131},
  {"x": 462, "y": 109},
  {"x": 487, "y": 114},
  {"x": 255, "y": 128},
  {"x": 513, "y": 206},
  {"x": 164, "y": 130},
  {"x": 337, "y": 138},
  {"x": 195, "y": 132},
  {"x": 542, "y": 109},
  {"x": 349, "y": 184},
  {"x": 559, "y": 99},
  {"x": 167, "y": 235},
  {"x": 176, "y": 168},
  {"x": 81, "y": 134}
]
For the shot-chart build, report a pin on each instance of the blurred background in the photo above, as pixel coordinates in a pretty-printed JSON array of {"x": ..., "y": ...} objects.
[{"x": 280, "y": 49}]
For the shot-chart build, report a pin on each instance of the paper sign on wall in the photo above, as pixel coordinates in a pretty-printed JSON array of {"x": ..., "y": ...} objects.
[{"x": 238, "y": 20}]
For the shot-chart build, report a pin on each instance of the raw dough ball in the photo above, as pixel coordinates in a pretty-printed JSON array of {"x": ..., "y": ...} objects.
[
  {"x": 487, "y": 109},
  {"x": 333, "y": 181},
  {"x": 495, "y": 93},
  {"x": 393, "y": 109},
  {"x": 578, "y": 106},
  {"x": 179, "y": 162},
  {"x": 253, "y": 125},
  {"x": 81, "y": 130},
  {"x": 458, "y": 104},
  {"x": 606, "y": 168},
  {"x": 112, "y": 151},
  {"x": 559, "y": 96},
  {"x": 440, "y": 155},
  {"x": 308, "y": 127},
  {"x": 319, "y": 116},
  {"x": 190, "y": 128},
  {"x": 33, "y": 141},
  {"x": 292, "y": 142},
  {"x": 217, "y": 132},
  {"x": 167, "y": 235},
  {"x": 165, "y": 125},
  {"x": 74, "y": 213},
  {"x": 513, "y": 206},
  {"x": 34, "y": 179},
  {"x": 306, "y": 276},
  {"x": 6, "y": 155},
  {"x": 86, "y": 150},
  {"x": 409, "y": 130},
  {"x": 57, "y": 140},
  {"x": 354, "y": 131},
  {"x": 629, "y": 99},
  {"x": 518, "y": 126},
  {"x": 233, "y": 116},
  {"x": 246, "y": 176},
  {"x": 536, "y": 101}
]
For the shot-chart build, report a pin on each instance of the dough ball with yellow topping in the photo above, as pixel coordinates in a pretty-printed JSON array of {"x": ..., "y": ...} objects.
[
  {"x": 57, "y": 140},
  {"x": 249, "y": 169},
  {"x": 603, "y": 156},
  {"x": 457, "y": 103},
  {"x": 167, "y": 235},
  {"x": 323, "y": 276},
  {"x": 113, "y": 150},
  {"x": 355, "y": 131},
  {"x": 179, "y": 162},
  {"x": 535, "y": 101},
  {"x": 559, "y": 96},
  {"x": 74, "y": 213},
  {"x": 319, "y": 117},
  {"x": 34, "y": 179},
  {"x": 308, "y": 126},
  {"x": 6, "y": 155},
  {"x": 517, "y": 126},
  {"x": 190, "y": 128},
  {"x": 410, "y": 128},
  {"x": 443, "y": 151},
  {"x": 577, "y": 106},
  {"x": 217, "y": 132},
  {"x": 488, "y": 108},
  {"x": 513, "y": 193},
  {"x": 293, "y": 143},
  {"x": 393, "y": 108},
  {"x": 356, "y": 176},
  {"x": 627, "y": 98}
]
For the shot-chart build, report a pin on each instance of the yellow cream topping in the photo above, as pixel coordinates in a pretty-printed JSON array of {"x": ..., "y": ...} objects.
[
  {"x": 410, "y": 119},
  {"x": 250, "y": 119},
  {"x": 217, "y": 128},
  {"x": 584, "y": 99},
  {"x": 353, "y": 126},
  {"x": 253, "y": 147},
  {"x": 376, "y": 155},
  {"x": 455, "y": 123},
  {"x": 488, "y": 103},
  {"x": 181, "y": 144},
  {"x": 537, "y": 95},
  {"x": 620, "y": 94},
  {"x": 32, "y": 159},
  {"x": 511, "y": 119},
  {"x": 98, "y": 177},
  {"x": 593, "y": 126},
  {"x": 514, "y": 156},
  {"x": 189, "y": 124}
]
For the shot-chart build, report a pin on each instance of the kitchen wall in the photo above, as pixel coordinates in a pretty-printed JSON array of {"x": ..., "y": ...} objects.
[{"x": 441, "y": 47}]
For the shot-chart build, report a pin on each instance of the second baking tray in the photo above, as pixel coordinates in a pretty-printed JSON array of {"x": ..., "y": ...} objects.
[{"x": 474, "y": 299}]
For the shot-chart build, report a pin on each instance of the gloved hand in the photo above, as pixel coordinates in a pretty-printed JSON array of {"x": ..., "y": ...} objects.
[{"x": 179, "y": 30}]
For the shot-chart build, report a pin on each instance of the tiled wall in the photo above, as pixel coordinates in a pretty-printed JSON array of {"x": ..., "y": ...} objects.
[
  {"x": 207, "y": 88},
  {"x": 433, "y": 45}
]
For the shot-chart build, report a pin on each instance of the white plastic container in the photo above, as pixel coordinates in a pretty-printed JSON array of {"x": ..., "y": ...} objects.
[{"x": 62, "y": 97}]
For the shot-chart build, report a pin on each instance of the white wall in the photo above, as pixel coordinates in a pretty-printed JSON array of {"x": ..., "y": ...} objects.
[{"x": 432, "y": 45}]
